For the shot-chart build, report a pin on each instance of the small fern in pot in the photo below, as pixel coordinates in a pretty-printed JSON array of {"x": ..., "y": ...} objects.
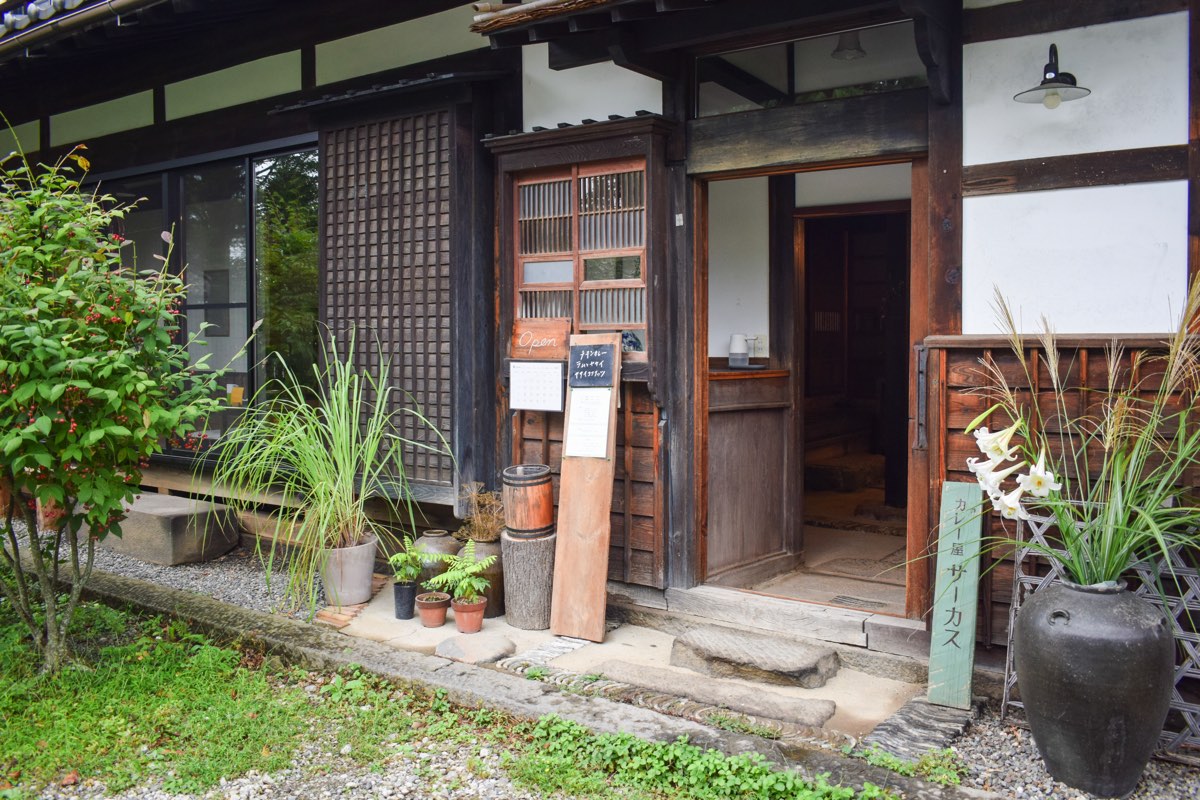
[{"x": 465, "y": 582}]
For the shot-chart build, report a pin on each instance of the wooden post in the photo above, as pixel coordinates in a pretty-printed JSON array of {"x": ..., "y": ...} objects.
[
  {"x": 585, "y": 498},
  {"x": 528, "y": 567}
]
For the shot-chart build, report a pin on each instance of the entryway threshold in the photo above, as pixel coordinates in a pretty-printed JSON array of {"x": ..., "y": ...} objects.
[{"x": 877, "y": 644}]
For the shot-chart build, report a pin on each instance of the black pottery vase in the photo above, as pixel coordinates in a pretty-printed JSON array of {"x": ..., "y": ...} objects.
[{"x": 1095, "y": 666}]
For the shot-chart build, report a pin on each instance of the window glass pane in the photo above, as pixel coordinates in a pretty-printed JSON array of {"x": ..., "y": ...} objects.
[
  {"x": 285, "y": 262},
  {"x": 215, "y": 245},
  {"x": 611, "y": 210},
  {"x": 544, "y": 217},
  {"x": 548, "y": 271},
  {"x": 142, "y": 228},
  {"x": 613, "y": 268}
]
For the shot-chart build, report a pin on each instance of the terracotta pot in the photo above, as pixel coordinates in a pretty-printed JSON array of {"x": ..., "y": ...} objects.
[
  {"x": 495, "y": 575},
  {"x": 1096, "y": 668},
  {"x": 468, "y": 617},
  {"x": 432, "y": 608},
  {"x": 405, "y": 594}
]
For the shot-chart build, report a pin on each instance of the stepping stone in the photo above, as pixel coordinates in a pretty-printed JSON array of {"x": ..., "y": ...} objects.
[
  {"x": 754, "y": 701},
  {"x": 729, "y": 653},
  {"x": 168, "y": 530},
  {"x": 918, "y": 727},
  {"x": 476, "y": 648}
]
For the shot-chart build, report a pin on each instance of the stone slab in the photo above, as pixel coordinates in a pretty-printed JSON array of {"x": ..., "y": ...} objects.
[
  {"x": 918, "y": 727},
  {"x": 754, "y": 701},
  {"x": 730, "y": 653},
  {"x": 476, "y": 648},
  {"x": 169, "y": 530}
]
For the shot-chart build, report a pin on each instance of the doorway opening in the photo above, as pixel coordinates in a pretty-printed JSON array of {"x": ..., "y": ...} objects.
[{"x": 825, "y": 401}]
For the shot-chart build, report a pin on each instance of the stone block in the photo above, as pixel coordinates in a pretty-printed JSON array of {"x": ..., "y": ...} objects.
[
  {"x": 168, "y": 530},
  {"x": 728, "y": 653},
  {"x": 904, "y": 637}
]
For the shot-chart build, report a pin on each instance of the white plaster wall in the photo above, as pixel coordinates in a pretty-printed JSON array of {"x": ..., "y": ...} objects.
[
  {"x": 738, "y": 266},
  {"x": 26, "y": 135},
  {"x": 589, "y": 92},
  {"x": 253, "y": 80},
  {"x": 832, "y": 187},
  {"x": 1137, "y": 71},
  {"x": 399, "y": 45},
  {"x": 1107, "y": 259},
  {"x": 122, "y": 114}
]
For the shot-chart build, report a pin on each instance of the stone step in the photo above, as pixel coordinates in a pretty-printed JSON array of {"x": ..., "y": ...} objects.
[
  {"x": 849, "y": 473},
  {"x": 920, "y": 726},
  {"x": 168, "y": 530},
  {"x": 748, "y": 610},
  {"x": 730, "y": 653},
  {"x": 754, "y": 701}
]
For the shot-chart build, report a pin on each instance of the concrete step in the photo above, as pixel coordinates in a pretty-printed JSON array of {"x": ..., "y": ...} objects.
[
  {"x": 755, "y": 701},
  {"x": 730, "y": 653},
  {"x": 168, "y": 530}
]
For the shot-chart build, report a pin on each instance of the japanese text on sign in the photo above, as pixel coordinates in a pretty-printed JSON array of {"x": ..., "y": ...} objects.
[
  {"x": 591, "y": 365},
  {"x": 952, "y": 649}
]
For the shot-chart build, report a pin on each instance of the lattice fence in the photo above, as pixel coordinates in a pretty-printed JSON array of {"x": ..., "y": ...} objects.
[
  {"x": 1180, "y": 594},
  {"x": 387, "y": 264}
]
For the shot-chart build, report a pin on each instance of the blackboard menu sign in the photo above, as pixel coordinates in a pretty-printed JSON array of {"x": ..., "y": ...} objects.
[{"x": 591, "y": 365}]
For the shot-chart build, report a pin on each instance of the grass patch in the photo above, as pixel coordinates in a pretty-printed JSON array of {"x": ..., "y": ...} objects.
[
  {"x": 569, "y": 758},
  {"x": 944, "y": 766},
  {"x": 739, "y": 723}
]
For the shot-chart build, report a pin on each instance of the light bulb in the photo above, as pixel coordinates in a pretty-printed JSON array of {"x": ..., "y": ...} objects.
[{"x": 1052, "y": 100}]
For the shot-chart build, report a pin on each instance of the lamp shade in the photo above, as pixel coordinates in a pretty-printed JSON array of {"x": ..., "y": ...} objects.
[{"x": 1056, "y": 87}]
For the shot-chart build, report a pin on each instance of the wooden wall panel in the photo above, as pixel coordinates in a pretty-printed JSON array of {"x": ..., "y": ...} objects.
[
  {"x": 637, "y": 504},
  {"x": 386, "y": 246}
]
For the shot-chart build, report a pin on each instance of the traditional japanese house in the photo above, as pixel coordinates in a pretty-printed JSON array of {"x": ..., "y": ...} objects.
[{"x": 793, "y": 213}]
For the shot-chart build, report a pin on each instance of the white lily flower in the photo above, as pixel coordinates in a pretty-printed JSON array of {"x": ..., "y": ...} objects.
[
  {"x": 989, "y": 478},
  {"x": 1009, "y": 505},
  {"x": 995, "y": 445},
  {"x": 1040, "y": 481}
]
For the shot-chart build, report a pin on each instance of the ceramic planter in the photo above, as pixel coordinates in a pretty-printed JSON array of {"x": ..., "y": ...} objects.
[
  {"x": 468, "y": 617},
  {"x": 346, "y": 573},
  {"x": 435, "y": 541},
  {"x": 432, "y": 608},
  {"x": 1095, "y": 665},
  {"x": 405, "y": 594}
]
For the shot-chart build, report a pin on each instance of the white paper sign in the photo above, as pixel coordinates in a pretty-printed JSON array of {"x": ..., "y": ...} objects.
[
  {"x": 536, "y": 385},
  {"x": 587, "y": 424}
]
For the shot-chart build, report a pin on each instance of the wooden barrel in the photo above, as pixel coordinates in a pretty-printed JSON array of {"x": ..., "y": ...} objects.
[{"x": 528, "y": 501}]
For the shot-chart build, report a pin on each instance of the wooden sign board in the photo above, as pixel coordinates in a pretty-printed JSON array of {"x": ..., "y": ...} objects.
[
  {"x": 956, "y": 594},
  {"x": 585, "y": 502},
  {"x": 540, "y": 339}
]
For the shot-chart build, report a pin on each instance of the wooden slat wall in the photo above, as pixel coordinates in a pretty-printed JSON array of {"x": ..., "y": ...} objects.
[
  {"x": 636, "y": 552},
  {"x": 957, "y": 360},
  {"x": 386, "y": 245}
]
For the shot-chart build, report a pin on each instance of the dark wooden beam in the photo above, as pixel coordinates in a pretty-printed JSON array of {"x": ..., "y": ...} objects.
[
  {"x": 625, "y": 52},
  {"x": 737, "y": 80},
  {"x": 931, "y": 28},
  {"x": 1193, "y": 139},
  {"x": 944, "y": 276},
  {"x": 633, "y": 11},
  {"x": 582, "y": 23},
  {"x": 1149, "y": 164},
  {"x": 1044, "y": 16},
  {"x": 855, "y": 129},
  {"x": 580, "y": 50},
  {"x": 547, "y": 31},
  {"x": 680, "y": 5},
  {"x": 505, "y": 39}
]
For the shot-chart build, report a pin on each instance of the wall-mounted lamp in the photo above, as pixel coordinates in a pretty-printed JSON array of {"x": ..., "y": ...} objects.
[
  {"x": 849, "y": 47},
  {"x": 1055, "y": 86}
]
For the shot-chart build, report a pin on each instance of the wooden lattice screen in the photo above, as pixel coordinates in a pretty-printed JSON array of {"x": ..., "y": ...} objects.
[{"x": 386, "y": 247}]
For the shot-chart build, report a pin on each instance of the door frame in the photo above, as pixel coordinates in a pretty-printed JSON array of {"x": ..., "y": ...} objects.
[{"x": 920, "y": 312}]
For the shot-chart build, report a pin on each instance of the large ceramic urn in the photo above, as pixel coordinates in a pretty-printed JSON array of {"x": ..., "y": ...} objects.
[{"x": 1095, "y": 666}]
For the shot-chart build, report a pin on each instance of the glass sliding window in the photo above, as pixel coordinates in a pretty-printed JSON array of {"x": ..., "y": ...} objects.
[
  {"x": 286, "y": 264},
  {"x": 143, "y": 226},
  {"x": 581, "y": 248}
]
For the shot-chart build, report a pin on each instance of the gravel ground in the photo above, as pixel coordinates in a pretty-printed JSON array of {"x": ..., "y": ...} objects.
[
  {"x": 1003, "y": 758},
  {"x": 432, "y": 771},
  {"x": 236, "y": 577}
]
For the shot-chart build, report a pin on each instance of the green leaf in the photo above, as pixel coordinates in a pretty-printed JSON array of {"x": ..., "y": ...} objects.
[
  {"x": 92, "y": 437},
  {"x": 42, "y": 425}
]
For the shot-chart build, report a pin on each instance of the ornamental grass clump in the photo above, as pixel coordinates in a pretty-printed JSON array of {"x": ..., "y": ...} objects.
[
  {"x": 1115, "y": 468},
  {"x": 327, "y": 452},
  {"x": 93, "y": 379}
]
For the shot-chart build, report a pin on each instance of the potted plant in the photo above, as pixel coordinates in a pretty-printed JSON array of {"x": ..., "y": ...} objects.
[
  {"x": 483, "y": 525},
  {"x": 1111, "y": 469},
  {"x": 465, "y": 582},
  {"x": 432, "y": 606},
  {"x": 322, "y": 453},
  {"x": 406, "y": 568}
]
